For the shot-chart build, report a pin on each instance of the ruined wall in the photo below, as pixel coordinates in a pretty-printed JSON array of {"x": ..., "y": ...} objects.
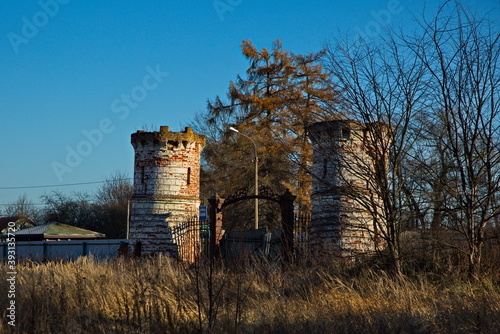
[
  {"x": 342, "y": 198},
  {"x": 166, "y": 186}
]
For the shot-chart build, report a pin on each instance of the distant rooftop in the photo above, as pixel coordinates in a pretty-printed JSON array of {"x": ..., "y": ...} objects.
[{"x": 56, "y": 231}]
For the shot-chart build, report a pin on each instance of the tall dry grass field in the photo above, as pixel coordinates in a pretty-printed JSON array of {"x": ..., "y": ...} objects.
[{"x": 160, "y": 296}]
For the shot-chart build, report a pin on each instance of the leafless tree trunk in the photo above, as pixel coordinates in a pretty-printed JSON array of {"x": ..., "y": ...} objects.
[
  {"x": 460, "y": 54},
  {"x": 437, "y": 96},
  {"x": 383, "y": 88}
]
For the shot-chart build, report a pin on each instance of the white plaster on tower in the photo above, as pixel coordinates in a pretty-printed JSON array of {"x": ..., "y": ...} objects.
[
  {"x": 166, "y": 186},
  {"x": 342, "y": 221}
]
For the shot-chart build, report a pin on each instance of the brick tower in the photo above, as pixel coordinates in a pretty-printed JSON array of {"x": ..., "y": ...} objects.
[
  {"x": 166, "y": 186},
  {"x": 340, "y": 225}
]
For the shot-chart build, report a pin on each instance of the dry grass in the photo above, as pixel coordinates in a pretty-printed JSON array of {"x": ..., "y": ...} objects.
[{"x": 161, "y": 296}]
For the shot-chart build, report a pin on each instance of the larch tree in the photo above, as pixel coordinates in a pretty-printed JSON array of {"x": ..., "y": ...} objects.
[{"x": 280, "y": 96}]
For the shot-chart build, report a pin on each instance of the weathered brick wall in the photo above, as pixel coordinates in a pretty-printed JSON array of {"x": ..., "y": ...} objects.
[
  {"x": 166, "y": 186},
  {"x": 340, "y": 224}
]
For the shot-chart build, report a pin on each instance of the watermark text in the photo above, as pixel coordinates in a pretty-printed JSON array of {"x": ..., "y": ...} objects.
[
  {"x": 223, "y": 6},
  {"x": 381, "y": 19},
  {"x": 121, "y": 107},
  {"x": 31, "y": 26},
  {"x": 11, "y": 274}
]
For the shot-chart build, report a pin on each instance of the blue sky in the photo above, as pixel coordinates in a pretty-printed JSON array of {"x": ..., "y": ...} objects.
[{"x": 78, "y": 77}]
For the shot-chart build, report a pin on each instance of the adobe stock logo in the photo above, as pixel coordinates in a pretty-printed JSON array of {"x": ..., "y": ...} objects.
[
  {"x": 121, "y": 107},
  {"x": 30, "y": 28},
  {"x": 223, "y": 6},
  {"x": 381, "y": 19}
]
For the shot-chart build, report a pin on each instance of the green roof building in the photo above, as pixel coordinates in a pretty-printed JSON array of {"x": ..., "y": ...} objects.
[{"x": 56, "y": 231}]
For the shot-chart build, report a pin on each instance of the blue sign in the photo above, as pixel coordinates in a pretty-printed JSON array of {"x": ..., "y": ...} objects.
[{"x": 203, "y": 213}]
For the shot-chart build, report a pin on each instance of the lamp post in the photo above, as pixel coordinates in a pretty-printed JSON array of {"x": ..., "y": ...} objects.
[{"x": 256, "y": 176}]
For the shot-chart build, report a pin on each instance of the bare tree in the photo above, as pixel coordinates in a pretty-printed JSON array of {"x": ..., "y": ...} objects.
[
  {"x": 437, "y": 96},
  {"x": 104, "y": 212},
  {"x": 75, "y": 210},
  {"x": 23, "y": 208},
  {"x": 460, "y": 54},
  {"x": 116, "y": 189},
  {"x": 112, "y": 203},
  {"x": 383, "y": 89}
]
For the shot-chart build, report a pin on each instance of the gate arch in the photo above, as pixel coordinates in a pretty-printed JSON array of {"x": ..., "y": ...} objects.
[
  {"x": 242, "y": 194},
  {"x": 285, "y": 201}
]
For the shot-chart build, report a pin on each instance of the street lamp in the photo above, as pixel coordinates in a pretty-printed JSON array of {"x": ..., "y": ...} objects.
[{"x": 256, "y": 177}]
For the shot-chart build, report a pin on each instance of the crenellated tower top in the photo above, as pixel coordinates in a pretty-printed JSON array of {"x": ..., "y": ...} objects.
[{"x": 143, "y": 138}]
